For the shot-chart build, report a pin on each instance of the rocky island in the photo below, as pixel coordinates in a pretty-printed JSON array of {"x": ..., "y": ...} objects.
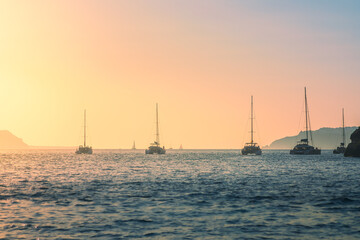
[
  {"x": 9, "y": 141},
  {"x": 353, "y": 149},
  {"x": 325, "y": 138}
]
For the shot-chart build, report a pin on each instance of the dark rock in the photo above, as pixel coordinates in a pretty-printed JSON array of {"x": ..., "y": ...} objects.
[{"x": 353, "y": 149}]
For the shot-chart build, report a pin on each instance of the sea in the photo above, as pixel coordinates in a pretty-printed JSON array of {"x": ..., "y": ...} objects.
[{"x": 184, "y": 194}]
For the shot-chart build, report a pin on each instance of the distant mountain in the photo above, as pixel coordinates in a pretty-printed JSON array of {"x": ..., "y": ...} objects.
[
  {"x": 9, "y": 141},
  {"x": 325, "y": 138}
]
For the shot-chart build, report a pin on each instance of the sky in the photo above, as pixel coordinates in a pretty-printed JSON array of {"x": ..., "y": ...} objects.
[{"x": 201, "y": 61}]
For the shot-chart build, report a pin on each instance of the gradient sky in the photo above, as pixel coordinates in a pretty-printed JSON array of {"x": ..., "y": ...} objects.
[{"x": 200, "y": 60}]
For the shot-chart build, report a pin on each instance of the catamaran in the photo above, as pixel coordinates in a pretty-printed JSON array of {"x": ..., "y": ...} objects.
[
  {"x": 154, "y": 147},
  {"x": 84, "y": 149},
  {"x": 251, "y": 147},
  {"x": 303, "y": 147},
  {"x": 342, "y": 148}
]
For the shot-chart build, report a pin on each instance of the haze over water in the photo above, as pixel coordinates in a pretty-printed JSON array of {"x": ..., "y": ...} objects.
[{"x": 203, "y": 194}]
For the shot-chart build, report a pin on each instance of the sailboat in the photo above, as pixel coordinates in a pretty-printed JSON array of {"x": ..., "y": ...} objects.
[
  {"x": 154, "y": 147},
  {"x": 342, "y": 148},
  {"x": 303, "y": 147},
  {"x": 181, "y": 147},
  {"x": 84, "y": 149},
  {"x": 133, "y": 147},
  {"x": 251, "y": 147}
]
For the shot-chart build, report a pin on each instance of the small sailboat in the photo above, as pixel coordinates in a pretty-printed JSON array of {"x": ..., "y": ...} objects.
[
  {"x": 181, "y": 147},
  {"x": 303, "y": 147},
  {"x": 342, "y": 148},
  {"x": 251, "y": 147},
  {"x": 154, "y": 147},
  {"x": 133, "y": 147},
  {"x": 84, "y": 149}
]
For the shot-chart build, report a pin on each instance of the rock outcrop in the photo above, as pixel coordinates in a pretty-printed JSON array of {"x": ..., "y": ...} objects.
[
  {"x": 9, "y": 141},
  {"x": 324, "y": 138},
  {"x": 353, "y": 149}
]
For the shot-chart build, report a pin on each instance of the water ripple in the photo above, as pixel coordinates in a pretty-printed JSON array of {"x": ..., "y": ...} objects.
[{"x": 209, "y": 194}]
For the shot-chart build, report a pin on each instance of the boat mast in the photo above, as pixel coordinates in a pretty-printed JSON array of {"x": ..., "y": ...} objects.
[
  {"x": 157, "y": 127},
  {"x": 343, "y": 127},
  {"x": 84, "y": 127},
  {"x": 306, "y": 116},
  {"x": 252, "y": 132}
]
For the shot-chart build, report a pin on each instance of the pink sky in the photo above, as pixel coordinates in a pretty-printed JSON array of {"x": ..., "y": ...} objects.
[{"x": 200, "y": 60}]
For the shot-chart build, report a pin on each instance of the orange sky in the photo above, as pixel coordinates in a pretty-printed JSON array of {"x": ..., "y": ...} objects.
[{"x": 200, "y": 60}]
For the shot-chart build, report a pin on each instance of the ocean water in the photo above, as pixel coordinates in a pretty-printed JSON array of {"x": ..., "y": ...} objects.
[{"x": 207, "y": 194}]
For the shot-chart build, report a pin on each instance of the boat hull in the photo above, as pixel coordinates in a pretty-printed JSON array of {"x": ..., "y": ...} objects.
[
  {"x": 305, "y": 149},
  {"x": 84, "y": 150},
  {"x": 155, "y": 150},
  {"x": 251, "y": 150},
  {"x": 306, "y": 152},
  {"x": 339, "y": 150}
]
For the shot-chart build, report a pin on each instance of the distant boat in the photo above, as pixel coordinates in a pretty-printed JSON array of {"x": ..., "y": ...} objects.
[
  {"x": 251, "y": 147},
  {"x": 181, "y": 147},
  {"x": 84, "y": 149},
  {"x": 154, "y": 147},
  {"x": 342, "y": 148},
  {"x": 133, "y": 147},
  {"x": 303, "y": 147}
]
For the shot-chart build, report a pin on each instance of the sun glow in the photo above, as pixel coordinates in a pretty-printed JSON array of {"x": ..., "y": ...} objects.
[{"x": 117, "y": 59}]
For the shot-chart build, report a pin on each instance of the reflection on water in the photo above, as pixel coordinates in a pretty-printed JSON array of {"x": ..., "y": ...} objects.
[{"x": 183, "y": 194}]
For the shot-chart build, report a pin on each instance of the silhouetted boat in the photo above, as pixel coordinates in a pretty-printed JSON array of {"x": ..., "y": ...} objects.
[
  {"x": 154, "y": 147},
  {"x": 133, "y": 147},
  {"x": 84, "y": 149},
  {"x": 251, "y": 147},
  {"x": 342, "y": 148},
  {"x": 303, "y": 147},
  {"x": 181, "y": 147}
]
